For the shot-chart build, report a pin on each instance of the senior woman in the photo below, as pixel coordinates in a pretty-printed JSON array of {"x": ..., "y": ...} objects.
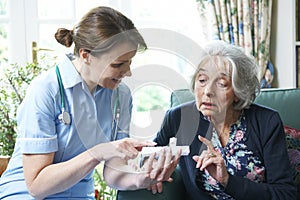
[{"x": 237, "y": 148}]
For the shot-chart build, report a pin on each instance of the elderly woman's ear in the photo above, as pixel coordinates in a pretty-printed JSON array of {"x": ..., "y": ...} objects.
[{"x": 236, "y": 99}]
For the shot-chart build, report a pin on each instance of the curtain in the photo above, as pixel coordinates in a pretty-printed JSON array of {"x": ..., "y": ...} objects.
[{"x": 246, "y": 23}]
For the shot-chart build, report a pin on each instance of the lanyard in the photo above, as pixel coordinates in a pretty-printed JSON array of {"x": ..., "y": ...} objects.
[{"x": 116, "y": 117}]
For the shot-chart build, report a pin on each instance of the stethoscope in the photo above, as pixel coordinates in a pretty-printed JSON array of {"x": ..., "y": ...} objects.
[
  {"x": 116, "y": 117},
  {"x": 64, "y": 117}
]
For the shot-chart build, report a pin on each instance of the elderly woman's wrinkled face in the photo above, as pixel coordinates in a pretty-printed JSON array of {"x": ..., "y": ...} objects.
[{"x": 213, "y": 87}]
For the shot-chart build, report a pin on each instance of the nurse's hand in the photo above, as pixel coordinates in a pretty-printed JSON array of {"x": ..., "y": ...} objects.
[
  {"x": 118, "y": 174},
  {"x": 126, "y": 148}
]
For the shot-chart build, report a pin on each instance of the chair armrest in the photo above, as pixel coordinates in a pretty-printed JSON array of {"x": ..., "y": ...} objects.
[{"x": 174, "y": 190}]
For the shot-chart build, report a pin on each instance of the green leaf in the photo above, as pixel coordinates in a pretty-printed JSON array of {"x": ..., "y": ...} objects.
[{"x": 14, "y": 81}]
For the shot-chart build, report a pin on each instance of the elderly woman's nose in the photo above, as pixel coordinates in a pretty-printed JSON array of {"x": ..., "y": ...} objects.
[{"x": 209, "y": 89}]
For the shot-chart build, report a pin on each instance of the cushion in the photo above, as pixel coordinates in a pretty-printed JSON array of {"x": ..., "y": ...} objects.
[
  {"x": 278, "y": 99},
  {"x": 295, "y": 133},
  {"x": 181, "y": 96},
  {"x": 293, "y": 148}
]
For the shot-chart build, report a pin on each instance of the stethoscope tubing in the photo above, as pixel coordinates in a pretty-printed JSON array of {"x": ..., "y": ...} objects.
[
  {"x": 61, "y": 88},
  {"x": 65, "y": 116}
]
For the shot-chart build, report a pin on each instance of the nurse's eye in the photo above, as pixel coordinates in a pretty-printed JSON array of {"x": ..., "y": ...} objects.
[{"x": 116, "y": 65}]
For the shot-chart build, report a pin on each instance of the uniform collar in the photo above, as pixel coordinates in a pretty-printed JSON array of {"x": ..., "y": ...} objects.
[{"x": 70, "y": 77}]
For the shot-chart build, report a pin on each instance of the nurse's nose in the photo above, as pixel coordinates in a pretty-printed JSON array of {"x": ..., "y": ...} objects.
[
  {"x": 128, "y": 73},
  {"x": 127, "y": 70}
]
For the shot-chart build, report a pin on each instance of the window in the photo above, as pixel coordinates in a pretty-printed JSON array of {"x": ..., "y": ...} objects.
[
  {"x": 156, "y": 72},
  {"x": 4, "y": 20},
  {"x": 297, "y": 42}
]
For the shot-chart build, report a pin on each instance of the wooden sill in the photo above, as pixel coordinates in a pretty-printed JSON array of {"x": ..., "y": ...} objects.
[{"x": 3, "y": 163}]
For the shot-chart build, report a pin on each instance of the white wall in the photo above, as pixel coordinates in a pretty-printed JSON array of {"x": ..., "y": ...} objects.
[{"x": 282, "y": 43}]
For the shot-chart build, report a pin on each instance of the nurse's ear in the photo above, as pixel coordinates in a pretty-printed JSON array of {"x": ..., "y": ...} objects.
[{"x": 85, "y": 55}]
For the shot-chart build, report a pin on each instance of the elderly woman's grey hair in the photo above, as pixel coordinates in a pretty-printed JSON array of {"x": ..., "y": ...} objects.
[{"x": 244, "y": 75}]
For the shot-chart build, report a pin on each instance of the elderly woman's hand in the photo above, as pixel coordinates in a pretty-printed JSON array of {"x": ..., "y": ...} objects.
[
  {"x": 162, "y": 169},
  {"x": 126, "y": 175},
  {"x": 212, "y": 161}
]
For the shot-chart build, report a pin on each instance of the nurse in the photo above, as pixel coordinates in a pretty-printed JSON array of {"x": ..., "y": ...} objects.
[{"x": 76, "y": 115}]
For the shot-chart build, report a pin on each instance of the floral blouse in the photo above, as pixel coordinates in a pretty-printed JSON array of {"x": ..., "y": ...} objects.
[{"x": 239, "y": 160}]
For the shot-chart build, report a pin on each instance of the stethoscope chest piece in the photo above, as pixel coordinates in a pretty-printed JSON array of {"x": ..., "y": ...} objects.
[{"x": 64, "y": 117}]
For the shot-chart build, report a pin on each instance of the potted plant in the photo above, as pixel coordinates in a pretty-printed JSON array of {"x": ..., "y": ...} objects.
[
  {"x": 14, "y": 82},
  {"x": 102, "y": 190}
]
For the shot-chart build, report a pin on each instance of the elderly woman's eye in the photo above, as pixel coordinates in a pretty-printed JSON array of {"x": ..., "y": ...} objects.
[
  {"x": 202, "y": 81},
  {"x": 221, "y": 84}
]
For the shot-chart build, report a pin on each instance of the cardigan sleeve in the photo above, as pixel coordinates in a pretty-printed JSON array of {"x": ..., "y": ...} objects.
[
  {"x": 267, "y": 137},
  {"x": 169, "y": 127}
]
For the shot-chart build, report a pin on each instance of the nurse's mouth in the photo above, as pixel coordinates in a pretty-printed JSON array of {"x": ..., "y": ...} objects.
[{"x": 117, "y": 80}]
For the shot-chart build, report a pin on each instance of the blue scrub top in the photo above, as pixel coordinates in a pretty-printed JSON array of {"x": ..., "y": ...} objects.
[{"x": 40, "y": 131}]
